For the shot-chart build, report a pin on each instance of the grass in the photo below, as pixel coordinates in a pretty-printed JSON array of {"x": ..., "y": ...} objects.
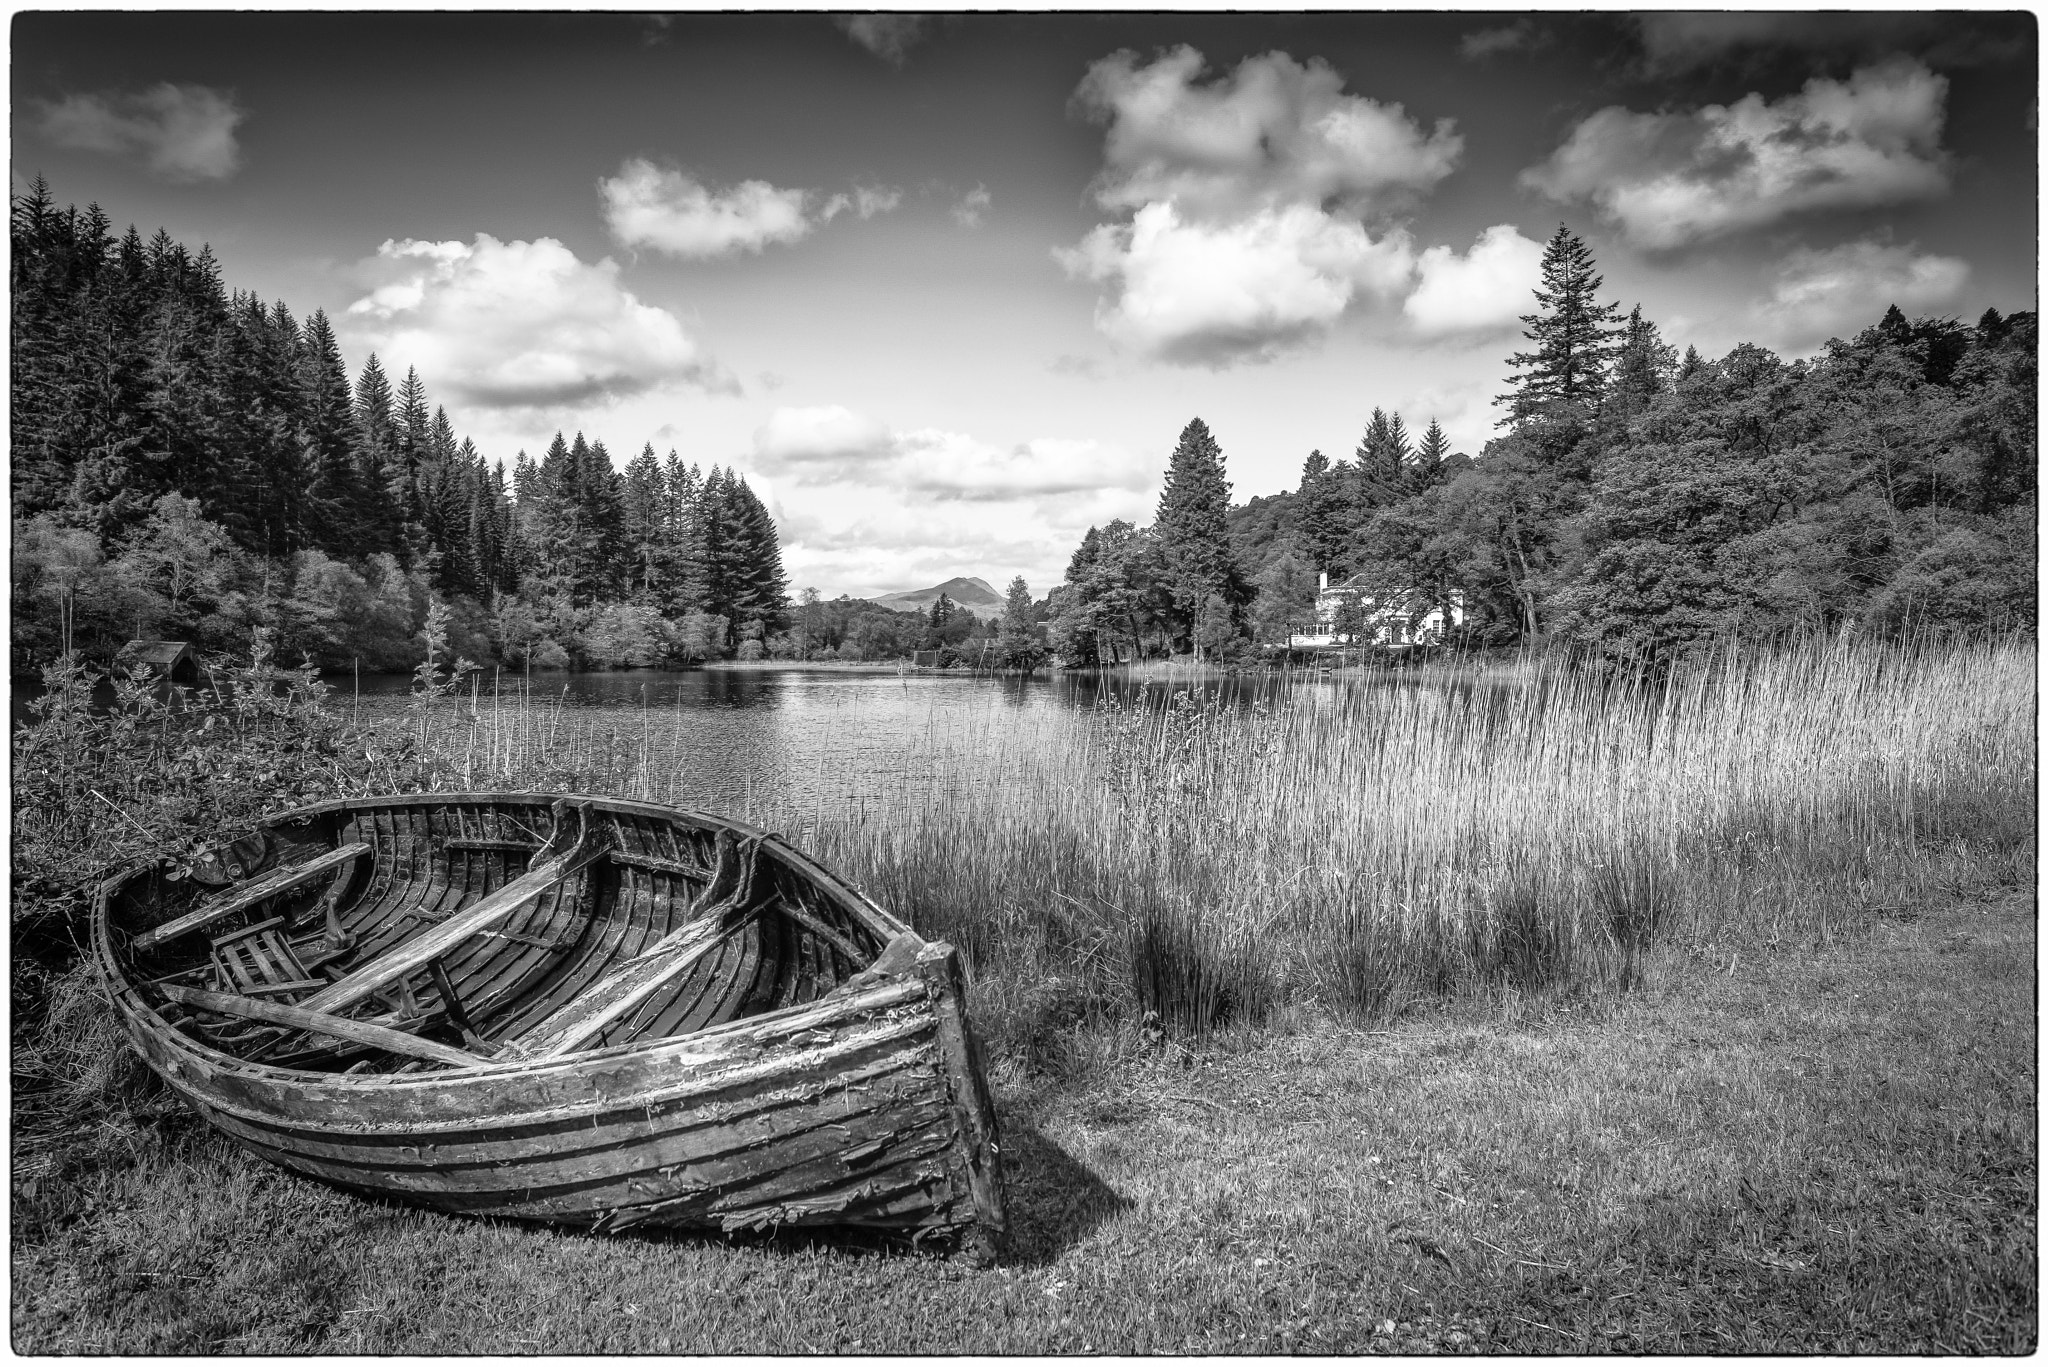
[
  {"x": 1542, "y": 1012},
  {"x": 1360, "y": 847},
  {"x": 1827, "y": 1148}
]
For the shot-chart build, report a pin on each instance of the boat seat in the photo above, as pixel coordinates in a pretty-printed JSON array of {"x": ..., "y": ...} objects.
[
  {"x": 258, "y": 961},
  {"x": 262, "y": 961}
]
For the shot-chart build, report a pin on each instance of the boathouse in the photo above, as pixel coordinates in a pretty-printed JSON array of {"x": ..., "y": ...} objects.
[{"x": 173, "y": 660}]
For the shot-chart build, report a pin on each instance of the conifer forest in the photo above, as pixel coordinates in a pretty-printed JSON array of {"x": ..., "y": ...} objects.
[{"x": 190, "y": 462}]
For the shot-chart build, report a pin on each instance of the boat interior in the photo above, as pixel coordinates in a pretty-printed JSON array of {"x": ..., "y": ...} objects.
[{"x": 405, "y": 936}]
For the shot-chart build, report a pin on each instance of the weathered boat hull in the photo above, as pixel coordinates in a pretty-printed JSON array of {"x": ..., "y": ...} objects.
[{"x": 861, "y": 1106}]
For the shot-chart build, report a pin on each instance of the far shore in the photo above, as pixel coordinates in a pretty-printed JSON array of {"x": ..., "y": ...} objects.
[{"x": 837, "y": 666}]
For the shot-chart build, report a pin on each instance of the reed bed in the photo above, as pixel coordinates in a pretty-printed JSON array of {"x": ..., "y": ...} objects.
[{"x": 1356, "y": 848}]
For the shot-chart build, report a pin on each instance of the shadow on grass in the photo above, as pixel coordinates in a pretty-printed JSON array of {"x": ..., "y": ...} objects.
[{"x": 1054, "y": 1201}]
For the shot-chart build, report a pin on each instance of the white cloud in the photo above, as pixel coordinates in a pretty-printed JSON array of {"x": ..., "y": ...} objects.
[
  {"x": 1483, "y": 291},
  {"x": 972, "y": 208},
  {"x": 648, "y": 206},
  {"x": 866, "y": 201},
  {"x": 181, "y": 132},
  {"x": 1213, "y": 294},
  {"x": 1249, "y": 200},
  {"x": 1839, "y": 291},
  {"x": 859, "y": 496},
  {"x": 832, "y": 444},
  {"x": 831, "y": 439},
  {"x": 888, "y": 36},
  {"x": 1520, "y": 36},
  {"x": 519, "y": 325},
  {"x": 1673, "y": 178},
  {"x": 1274, "y": 132}
]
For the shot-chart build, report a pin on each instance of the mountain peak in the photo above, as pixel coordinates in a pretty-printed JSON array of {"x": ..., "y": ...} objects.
[{"x": 971, "y": 593}]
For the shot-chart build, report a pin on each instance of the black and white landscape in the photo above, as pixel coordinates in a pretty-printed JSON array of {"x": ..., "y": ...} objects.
[{"x": 1443, "y": 605}]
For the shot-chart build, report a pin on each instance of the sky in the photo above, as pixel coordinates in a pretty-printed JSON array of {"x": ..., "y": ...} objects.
[{"x": 946, "y": 289}]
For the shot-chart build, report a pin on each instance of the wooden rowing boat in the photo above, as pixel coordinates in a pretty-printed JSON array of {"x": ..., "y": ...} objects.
[{"x": 586, "y": 1011}]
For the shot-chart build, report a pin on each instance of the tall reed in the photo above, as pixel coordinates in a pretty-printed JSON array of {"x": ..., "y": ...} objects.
[{"x": 1355, "y": 846}]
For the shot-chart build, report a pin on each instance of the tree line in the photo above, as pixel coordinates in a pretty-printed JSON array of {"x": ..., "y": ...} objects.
[
  {"x": 190, "y": 463},
  {"x": 1640, "y": 504}
]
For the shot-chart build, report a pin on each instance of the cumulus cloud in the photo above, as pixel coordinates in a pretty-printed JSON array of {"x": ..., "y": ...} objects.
[
  {"x": 647, "y": 206},
  {"x": 1839, "y": 291},
  {"x": 1520, "y": 36},
  {"x": 1483, "y": 291},
  {"x": 858, "y": 497},
  {"x": 1271, "y": 133},
  {"x": 520, "y": 325},
  {"x": 1249, "y": 200},
  {"x": 972, "y": 208},
  {"x": 180, "y": 132},
  {"x": 1669, "y": 179},
  {"x": 670, "y": 211},
  {"x": 888, "y": 36},
  {"x": 1215, "y": 293}
]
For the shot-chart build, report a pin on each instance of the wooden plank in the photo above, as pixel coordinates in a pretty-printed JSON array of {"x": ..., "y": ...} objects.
[
  {"x": 248, "y": 895},
  {"x": 628, "y": 986},
  {"x": 418, "y": 951},
  {"x": 940, "y": 966},
  {"x": 656, "y": 864},
  {"x": 298, "y": 1018},
  {"x": 795, "y": 910}
]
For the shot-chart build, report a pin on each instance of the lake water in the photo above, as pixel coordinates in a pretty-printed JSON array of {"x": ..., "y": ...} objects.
[
  {"x": 735, "y": 740},
  {"x": 743, "y": 741}
]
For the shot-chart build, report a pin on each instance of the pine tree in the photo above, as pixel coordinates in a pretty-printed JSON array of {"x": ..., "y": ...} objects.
[
  {"x": 604, "y": 499},
  {"x": 684, "y": 545},
  {"x": 720, "y": 557},
  {"x": 1192, "y": 529},
  {"x": 1573, "y": 332},
  {"x": 1016, "y": 638},
  {"x": 411, "y": 428},
  {"x": 1383, "y": 456},
  {"x": 943, "y": 610},
  {"x": 1642, "y": 368},
  {"x": 644, "y": 496},
  {"x": 377, "y": 462},
  {"x": 1430, "y": 458},
  {"x": 1325, "y": 513},
  {"x": 340, "y": 513},
  {"x": 761, "y": 590}
]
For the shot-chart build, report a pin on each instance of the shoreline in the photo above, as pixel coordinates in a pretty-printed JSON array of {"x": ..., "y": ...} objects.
[{"x": 786, "y": 666}]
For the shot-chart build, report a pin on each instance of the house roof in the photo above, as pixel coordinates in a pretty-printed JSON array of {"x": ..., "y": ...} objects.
[{"x": 155, "y": 652}]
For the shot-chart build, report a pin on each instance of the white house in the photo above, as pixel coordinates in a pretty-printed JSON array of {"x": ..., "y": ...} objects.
[{"x": 1390, "y": 617}]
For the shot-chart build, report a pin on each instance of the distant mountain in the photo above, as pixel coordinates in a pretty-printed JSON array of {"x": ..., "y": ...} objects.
[{"x": 973, "y": 594}]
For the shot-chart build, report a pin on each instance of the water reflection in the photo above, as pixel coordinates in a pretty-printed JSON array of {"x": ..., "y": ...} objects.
[{"x": 745, "y": 740}]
